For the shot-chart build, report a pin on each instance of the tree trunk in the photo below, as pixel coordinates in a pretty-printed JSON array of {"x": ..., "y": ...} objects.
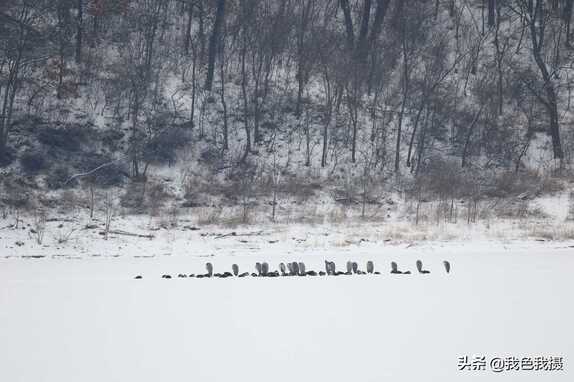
[
  {"x": 187, "y": 40},
  {"x": 467, "y": 141},
  {"x": 567, "y": 15},
  {"x": 79, "y": 32},
  {"x": 193, "y": 87},
  {"x": 362, "y": 48},
  {"x": 223, "y": 103},
  {"x": 201, "y": 31},
  {"x": 245, "y": 99},
  {"x": 491, "y": 13},
  {"x": 380, "y": 12},
  {"x": 213, "y": 42},
  {"x": 551, "y": 103},
  {"x": 348, "y": 24}
]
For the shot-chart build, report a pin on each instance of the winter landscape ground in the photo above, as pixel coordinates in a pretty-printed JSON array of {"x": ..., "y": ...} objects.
[
  {"x": 161, "y": 160},
  {"x": 74, "y": 311},
  {"x": 88, "y": 319}
]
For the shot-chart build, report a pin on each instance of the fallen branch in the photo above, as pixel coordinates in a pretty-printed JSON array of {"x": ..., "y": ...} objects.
[
  {"x": 256, "y": 233},
  {"x": 125, "y": 233}
]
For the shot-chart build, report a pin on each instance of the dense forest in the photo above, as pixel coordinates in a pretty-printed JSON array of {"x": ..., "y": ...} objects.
[{"x": 408, "y": 95}]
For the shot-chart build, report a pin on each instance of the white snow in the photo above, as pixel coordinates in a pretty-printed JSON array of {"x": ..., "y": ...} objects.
[{"x": 86, "y": 318}]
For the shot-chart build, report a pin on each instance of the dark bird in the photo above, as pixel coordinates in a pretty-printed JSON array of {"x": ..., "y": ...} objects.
[
  {"x": 302, "y": 269},
  {"x": 258, "y": 268},
  {"x": 330, "y": 267},
  {"x": 370, "y": 267},
  {"x": 209, "y": 268},
  {"x": 244, "y": 274},
  {"x": 321, "y": 273},
  {"x": 349, "y": 267},
  {"x": 295, "y": 267},
  {"x": 394, "y": 268},
  {"x": 191, "y": 275},
  {"x": 282, "y": 269},
  {"x": 311, "y": 273},
  {"x": 264, "y": 269},
  {"x": 182, "y": 276},
  {"x": 420, "y": 267},
  {"x": 235, "y": 269},
  {"x": 166, "y": 277},
  {"x": 446, "y": 266},
  {"x": 138, "y": 277},
  {"x": 254, "y": 274},
  {"x": 355, "y": 268}
]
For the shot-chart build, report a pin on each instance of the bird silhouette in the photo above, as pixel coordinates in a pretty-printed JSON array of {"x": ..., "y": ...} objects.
[
  {"x": 295, "y": 267},
  {"x": 446, "y": 266},
  {"x": 420, "y": 267},
  {"x": 349, "y": 267},
  {"x": 370, "y": 267},
  {"x": 395, "y": 269},
  {"x": 330, "y": 268},
  {"x": 209, "y": 268},
  {"x": 302, "y": 269},
  {"x": 235, "y": 269}
]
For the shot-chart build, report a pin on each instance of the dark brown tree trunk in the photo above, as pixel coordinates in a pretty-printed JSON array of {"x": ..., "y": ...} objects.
[
  {"x": 302, "y": 59},
  {"x": 193, "y": 86},
  {"x": 348, "y": 24},
  {"x": 362, "y": 48},
  {"x": 245, "y": 99},
  {"x": 187, "y": 41},
  {"x": 406, "y": 83},
  {"x": 201, "y": 31},
  {"x": 414, "y": 132},
  {"x": 537, "y": 28},
  {"x": 380, "y": 13},
  {"x": 214, "y": 40},
  {"x": 223, "y": 102}
]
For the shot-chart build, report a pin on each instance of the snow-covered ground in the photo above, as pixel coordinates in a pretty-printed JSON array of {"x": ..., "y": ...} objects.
[
  {"x": 78, "y": 314},
  {"x": 71, "y": 310}
]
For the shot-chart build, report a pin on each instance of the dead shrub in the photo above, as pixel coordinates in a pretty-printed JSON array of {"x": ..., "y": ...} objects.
[{"x": 209, "y": 215}]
